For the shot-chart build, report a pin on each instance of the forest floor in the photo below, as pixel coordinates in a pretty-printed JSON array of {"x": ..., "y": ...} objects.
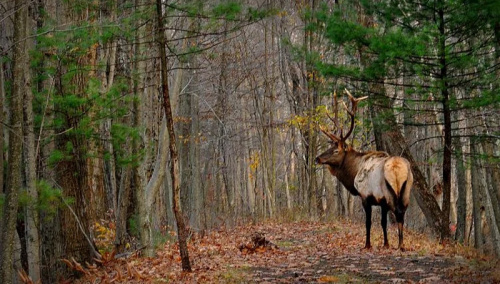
[{"x": 303, "y": 252}]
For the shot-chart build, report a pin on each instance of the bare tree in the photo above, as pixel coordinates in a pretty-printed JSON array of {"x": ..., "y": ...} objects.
[
  {"x": 182, "y": 232},
  {"x": 14, "y": 170},
  {"x": 32, "y": 221}
]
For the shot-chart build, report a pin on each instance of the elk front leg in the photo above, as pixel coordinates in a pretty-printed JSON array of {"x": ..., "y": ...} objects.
[
  {"x": 384, "y": 225},
  {"x": 368, "y": 211}
]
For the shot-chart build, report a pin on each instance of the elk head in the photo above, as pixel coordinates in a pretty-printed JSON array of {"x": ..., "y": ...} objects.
[{"x": 334, "y": 157}]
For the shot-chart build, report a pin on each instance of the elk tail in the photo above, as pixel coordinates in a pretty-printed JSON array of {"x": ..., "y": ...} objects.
[{"x": 396, "y": 175}]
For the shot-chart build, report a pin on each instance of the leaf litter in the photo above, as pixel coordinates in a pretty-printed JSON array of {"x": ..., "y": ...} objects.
[{"x": 302, "y": 252}]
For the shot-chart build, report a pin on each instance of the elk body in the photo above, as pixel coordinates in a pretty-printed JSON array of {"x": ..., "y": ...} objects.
[{"x": 379, "y": 179}]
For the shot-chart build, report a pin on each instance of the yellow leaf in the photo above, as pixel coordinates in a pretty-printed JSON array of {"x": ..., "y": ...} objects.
[{"x": 328, "y": 279}]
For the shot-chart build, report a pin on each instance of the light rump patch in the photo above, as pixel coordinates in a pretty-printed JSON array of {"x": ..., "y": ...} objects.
[{"x": 396, "y": 173}]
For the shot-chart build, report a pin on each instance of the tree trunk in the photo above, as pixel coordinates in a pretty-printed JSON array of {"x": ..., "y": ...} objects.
[
  {"x": 477, "y": 198},
  {"x": 311, "y": 45},
  {"x": 492, "y": 221},
  {"x": 91, "y": 157},
  {"x": 148, "y": 193},
  {"x": 132, "y": 175},
  {"x": 461, "y": 230},
  {"x": 32, "y": 218},
  {"x": 106, "y": 77},
  {"x": 445, "y": 100},
  {"x": 123, "y": 203},
  {"x": 182, "y": 232},
  {"x": 50, "y": 226},
  {"x": 222, "y": 175},
  {"x": 184, "y": 127},
  {"x": 492, "y": 178},
  {"x": 14, "y": 167},
  {"x": 487, "y": 204},
  {"x": 269, "y": 137},
  {"x": 147, "y": 190},
  {"x": 196, "y": 190},
  {"x": 287, "y": 193},
  {"x": 189, "y": 129},
  {"x": 2, "y": 118}
]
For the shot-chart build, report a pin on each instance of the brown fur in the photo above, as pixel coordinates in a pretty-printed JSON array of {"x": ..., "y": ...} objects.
[{"x": 396, "y": 173}]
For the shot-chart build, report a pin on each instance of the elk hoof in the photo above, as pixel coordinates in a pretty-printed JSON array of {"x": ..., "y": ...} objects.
[
  {"x": 386, "y": 246},
  {"x": 367, "y": 247}
]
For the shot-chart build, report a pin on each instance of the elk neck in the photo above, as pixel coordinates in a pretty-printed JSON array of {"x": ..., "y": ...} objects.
[{"x": 348, "y": 169}]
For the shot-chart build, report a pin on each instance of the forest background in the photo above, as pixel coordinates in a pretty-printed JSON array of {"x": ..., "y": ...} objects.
[{"x": 139, "y": 117}]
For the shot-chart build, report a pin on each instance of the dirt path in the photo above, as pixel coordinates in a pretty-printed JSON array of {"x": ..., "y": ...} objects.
[
  {"x": 307, "y": 252},
  {"x": 329, "y": 253},
  {"x": 365, "y": 267}
]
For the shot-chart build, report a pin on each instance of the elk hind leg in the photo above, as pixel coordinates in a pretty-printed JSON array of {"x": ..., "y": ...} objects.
[{"x": 400, "y": 216}]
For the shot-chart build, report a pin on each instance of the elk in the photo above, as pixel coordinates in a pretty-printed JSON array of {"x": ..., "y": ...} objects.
[{"x": 378, "y": 178}]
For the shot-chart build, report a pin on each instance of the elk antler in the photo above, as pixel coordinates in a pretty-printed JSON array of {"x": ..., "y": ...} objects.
[
  {"x": 330, "y": 135},
  {"x": 334, "y": 120},
  {"x": 352, "y": 112}
]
